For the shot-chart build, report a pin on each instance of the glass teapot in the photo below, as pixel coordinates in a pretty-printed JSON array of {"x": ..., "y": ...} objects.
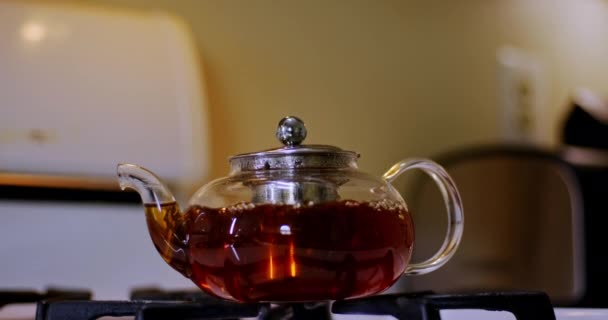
[{"x": 297, "y": 223}]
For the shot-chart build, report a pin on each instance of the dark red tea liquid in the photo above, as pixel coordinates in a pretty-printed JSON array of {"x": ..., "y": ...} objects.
[{"x": 254, "y": 253}]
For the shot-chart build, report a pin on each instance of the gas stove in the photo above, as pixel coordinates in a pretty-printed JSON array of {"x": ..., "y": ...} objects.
[{"x": 156, "y": 304}]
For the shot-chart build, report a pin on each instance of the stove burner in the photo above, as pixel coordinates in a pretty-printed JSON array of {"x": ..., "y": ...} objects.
[
  {"x": 156, "y": 304},
  {"x": 212, "y": 307},
  {"x": 317, "y": 311}
]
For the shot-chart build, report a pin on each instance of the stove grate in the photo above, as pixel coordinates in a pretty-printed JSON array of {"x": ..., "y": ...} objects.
[
  {"x": 27, "y": 296},
  {"x": 157, "y": 304},
  {"x": 426, "y": 306}
]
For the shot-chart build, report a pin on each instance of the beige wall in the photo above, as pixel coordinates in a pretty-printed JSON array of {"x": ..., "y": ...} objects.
[{"x": 389, "y": 79}]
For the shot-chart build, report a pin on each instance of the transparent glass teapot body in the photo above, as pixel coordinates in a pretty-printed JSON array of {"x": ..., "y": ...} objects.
[{"x": 302, "y": 224}]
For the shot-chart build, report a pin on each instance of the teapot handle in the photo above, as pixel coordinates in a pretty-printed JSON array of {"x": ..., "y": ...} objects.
[{"x": 453, "y": 205}]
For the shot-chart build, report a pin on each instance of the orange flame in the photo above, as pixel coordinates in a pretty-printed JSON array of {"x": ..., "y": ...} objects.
[
  {"x": 292, "y": 261},
  {"x": 271, "y": 268}
]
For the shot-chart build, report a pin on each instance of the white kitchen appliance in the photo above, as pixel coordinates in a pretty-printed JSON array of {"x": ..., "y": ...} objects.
[{"x": 81, "y": 89}]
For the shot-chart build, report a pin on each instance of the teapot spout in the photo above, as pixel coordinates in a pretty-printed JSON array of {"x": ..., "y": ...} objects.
[
  {"x": 166, "y": 223},
  {"x": 146, "y": 183}
]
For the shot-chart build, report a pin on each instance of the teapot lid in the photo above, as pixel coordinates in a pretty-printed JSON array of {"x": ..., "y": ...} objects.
[{"x": 291, "y": 131}]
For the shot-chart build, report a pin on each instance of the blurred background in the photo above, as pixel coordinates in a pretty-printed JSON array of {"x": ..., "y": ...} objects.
[
  {"x": 179, "y": 86},
  {"x": 388, "y": 79}
]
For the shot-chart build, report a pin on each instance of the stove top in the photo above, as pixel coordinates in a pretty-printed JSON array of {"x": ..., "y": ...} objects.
[{"x": 157, "y": 304}]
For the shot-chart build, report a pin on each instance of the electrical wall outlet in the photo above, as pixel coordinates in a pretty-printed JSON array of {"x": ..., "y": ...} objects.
[{"x": 522, "y": 97}]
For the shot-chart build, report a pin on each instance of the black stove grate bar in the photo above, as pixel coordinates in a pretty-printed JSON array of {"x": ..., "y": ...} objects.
[
  {"x": 157, "y": 294},
  {"x": 85, "y": 310},
  {"x": 20, "y": 296},
  {"x": 143, "y": 310},
  {"x": 197, "y": 311},
  {"x": 424, "y": 306}
]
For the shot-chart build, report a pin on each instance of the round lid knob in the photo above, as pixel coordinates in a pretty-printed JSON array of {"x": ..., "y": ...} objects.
[
  {"x": 291, "y": 131},
  {"x": 293, "y": 155}
]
